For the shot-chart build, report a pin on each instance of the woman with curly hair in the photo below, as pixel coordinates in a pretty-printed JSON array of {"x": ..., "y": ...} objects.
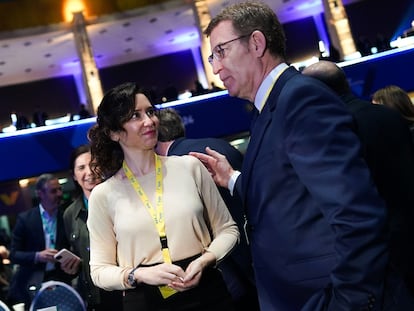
[{"x": 158, "y": 225}]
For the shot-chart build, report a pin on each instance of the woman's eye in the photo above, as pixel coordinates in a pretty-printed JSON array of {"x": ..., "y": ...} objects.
[
  {"x": 135, "y": 115},
  {"x": 150, "y": 112}
]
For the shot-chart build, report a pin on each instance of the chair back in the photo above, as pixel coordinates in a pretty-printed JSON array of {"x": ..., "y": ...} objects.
[
  {"x": 57, "y": 294},
  {"x": 3, "y": 306}
]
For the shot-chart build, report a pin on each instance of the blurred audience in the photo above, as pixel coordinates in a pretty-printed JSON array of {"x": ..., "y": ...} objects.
[
  {"x": 19, "y": 121},
  {"x": 410, "y": 31},
  {"x": 363, "y": 45},
  {"x": 198, "y": 89},
  {"x": 215, "y": 88},
  {"x": 5, "y": 272},
  {"x": 83, "y": 112},
  {"x": 39, "y": 117},
  {"x": 170, "y": 94}
]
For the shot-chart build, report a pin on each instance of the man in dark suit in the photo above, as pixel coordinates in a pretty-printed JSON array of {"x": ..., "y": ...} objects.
[
  {"x": 389, "y": 152},
  {"x": 237, "y": 268},
  {"x": 317, "y": 226},
  {"x": 37, "y": 236}
]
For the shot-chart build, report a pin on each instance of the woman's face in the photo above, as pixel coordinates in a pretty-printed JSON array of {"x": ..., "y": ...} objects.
[
  {"x": 83, "y": 175},
  {"x": 141, "y": 130}
]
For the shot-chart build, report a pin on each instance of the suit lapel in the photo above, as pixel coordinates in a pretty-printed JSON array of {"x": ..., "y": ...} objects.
[
  {"x": 256, "y": 136},
  {"x": 36, "y": 219},
  {"x": 260, "y": 125}
]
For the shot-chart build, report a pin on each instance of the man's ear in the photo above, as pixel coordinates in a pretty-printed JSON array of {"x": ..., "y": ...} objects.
[{"x": 258, "y": 43}]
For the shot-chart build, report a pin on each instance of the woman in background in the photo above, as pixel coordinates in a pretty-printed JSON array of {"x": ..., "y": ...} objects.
[
  {"x": 398, "y": 99},
  {"x": 158, "y": 225},
  {"x": 75, "y": 217}
]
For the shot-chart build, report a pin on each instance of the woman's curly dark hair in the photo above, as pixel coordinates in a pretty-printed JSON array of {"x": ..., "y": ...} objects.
[{"x": 116, "y": 108}]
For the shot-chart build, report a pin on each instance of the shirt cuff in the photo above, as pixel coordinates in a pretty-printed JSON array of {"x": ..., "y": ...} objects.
[{"x": 232, "y": 181}]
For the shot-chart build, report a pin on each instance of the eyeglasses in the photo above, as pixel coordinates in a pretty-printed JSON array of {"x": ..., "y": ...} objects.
[{"x": 218, "y": 51}]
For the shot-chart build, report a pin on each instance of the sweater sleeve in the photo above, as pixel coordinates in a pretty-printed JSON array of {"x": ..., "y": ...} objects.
[
  {"x": 105, "y": 272},
  {"x": 224, "y": 231}
]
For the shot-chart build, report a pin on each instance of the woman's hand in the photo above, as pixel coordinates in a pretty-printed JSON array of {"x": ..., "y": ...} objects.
[
  {"x": 192, "y": 277},
  {"x": 162, "y": 274},
  {"x": 193, "y": 272}
]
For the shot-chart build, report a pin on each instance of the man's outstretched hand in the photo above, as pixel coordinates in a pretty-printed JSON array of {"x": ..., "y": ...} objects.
[{"x": 217, "y": 165}]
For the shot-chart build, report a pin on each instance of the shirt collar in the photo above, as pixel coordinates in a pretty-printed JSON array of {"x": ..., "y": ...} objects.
[
  {"x": 267, "y": 85},
  {"x": 43, "y": 212}
]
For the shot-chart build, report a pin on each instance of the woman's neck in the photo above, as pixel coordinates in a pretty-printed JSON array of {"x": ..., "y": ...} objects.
[{"x": 141, "y": 163}]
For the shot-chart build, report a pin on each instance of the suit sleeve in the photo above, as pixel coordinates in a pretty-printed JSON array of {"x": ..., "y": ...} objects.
[{"x": 19, "y": 253}]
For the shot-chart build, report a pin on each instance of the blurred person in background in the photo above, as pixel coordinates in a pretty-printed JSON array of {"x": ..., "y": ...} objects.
[
  {"x": 75, "y": 217},
  {"x": 38, "y": 235},
  {"x": 398, "y": 99}
]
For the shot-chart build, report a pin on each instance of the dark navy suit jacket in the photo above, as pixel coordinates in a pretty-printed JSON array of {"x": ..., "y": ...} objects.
[
  {"x": 27, "y": 239},
  {"x": 318, "y": 226}
]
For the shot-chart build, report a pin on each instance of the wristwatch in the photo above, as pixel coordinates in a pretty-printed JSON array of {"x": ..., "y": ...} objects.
[{"x": 131, "y": 278}]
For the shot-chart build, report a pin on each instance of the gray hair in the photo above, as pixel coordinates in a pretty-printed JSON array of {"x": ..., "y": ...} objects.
[
  {"x": 247, "y": 17},
  {"x": 42, "y": 180}
]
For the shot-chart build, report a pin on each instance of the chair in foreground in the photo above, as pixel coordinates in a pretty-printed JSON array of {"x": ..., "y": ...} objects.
[
  {"x": 59, "y": 295},
  {"x": 3, "y": 306}
]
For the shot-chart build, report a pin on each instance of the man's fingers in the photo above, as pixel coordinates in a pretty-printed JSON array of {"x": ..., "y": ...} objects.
[
  {"x": 202, "y": 157},
  {"x": 213, "y": 153}
]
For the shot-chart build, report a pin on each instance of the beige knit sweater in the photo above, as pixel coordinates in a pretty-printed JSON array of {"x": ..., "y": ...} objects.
[{"x": 123, "y": 234}]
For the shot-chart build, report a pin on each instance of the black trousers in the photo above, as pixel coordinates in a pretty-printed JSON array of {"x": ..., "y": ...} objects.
[
  {"x": 210, "y": 294},
  {"x": 110, "y": 301}
]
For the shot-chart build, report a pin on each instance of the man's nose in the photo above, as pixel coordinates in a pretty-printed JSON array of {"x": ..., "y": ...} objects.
[{"x": 216, "y": 65}]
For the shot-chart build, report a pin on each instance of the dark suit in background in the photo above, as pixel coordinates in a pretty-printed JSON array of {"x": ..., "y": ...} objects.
[
  {"x": 389, "y": 152},
  {"x": 28, "y": 238}
]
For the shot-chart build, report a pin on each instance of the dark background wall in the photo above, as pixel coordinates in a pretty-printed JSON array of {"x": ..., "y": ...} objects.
[
  {"x": 367, "y": 19},
  {"x": 301, "y": 39},
  {"x": 177, "y": 70},
  {"x": 58, "y": 96},
  {"x": 371, "y": 17}
]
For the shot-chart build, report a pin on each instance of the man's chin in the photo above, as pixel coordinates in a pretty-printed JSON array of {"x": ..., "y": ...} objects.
[{"x": 232, "y": 92}]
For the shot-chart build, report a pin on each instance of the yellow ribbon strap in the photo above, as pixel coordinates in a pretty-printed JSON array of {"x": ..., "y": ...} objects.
[{"x": 156, "y": 213}]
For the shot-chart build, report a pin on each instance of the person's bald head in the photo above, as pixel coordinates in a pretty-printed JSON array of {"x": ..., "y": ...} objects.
[{"x": 330, "y": 74}]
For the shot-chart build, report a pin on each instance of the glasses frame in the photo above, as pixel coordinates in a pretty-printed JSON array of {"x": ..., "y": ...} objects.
[{"x": 218, "y": 52}]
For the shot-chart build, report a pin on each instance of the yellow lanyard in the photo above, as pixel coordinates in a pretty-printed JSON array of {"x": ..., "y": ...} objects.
[{"x": 156, "y": 213}]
